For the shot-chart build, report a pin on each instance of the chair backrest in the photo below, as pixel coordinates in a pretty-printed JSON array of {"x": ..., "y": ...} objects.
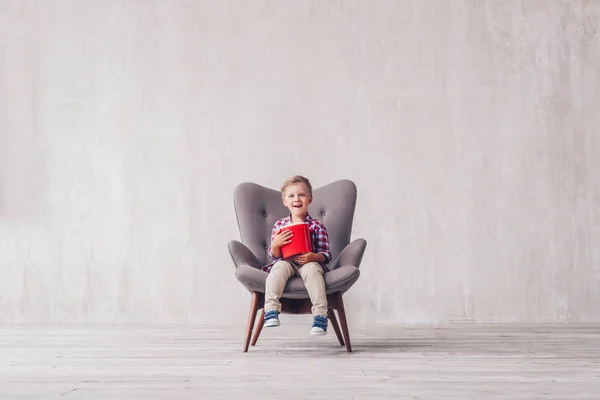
[{"x": 258, "y": 208}]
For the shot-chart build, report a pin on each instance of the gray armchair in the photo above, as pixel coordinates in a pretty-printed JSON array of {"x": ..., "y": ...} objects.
[{"x": 257, "y": 209}]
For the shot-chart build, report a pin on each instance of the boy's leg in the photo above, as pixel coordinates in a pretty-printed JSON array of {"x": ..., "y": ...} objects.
[
  {"x": 276, "y": 280},
  {"x": 312, "y": 276}
]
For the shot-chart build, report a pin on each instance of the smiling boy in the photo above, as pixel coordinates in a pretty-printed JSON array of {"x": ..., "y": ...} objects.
[{"x": 296, "y": 194}]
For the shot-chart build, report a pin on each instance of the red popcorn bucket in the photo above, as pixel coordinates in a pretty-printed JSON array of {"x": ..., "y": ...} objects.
[{"x": 300, "y": 243}]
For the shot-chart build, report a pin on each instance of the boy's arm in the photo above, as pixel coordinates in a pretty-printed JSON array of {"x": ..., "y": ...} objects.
[
  {"x": 322, "y": 245},
  {"x": 275, "y": 255}
]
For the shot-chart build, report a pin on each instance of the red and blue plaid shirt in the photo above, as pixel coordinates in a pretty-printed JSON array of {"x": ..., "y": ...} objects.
[{"x": 318, "y": 237}]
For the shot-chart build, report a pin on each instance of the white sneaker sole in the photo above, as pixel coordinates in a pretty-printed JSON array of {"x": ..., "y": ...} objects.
[
  {"x": 271, "y": 323},
  {"x": 318, "y": 333}
]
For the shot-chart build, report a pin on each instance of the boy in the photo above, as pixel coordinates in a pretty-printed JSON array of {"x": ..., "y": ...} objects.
[{"x": 296, "y": 194}]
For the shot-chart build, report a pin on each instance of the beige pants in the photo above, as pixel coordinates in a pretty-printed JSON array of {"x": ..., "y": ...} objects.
[{"x": 312, "y": 276}]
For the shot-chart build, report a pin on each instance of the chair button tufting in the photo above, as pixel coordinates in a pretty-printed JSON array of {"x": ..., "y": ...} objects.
[
  {"x": 323, "y": 213},
  {"x": 264, "y": 215}
]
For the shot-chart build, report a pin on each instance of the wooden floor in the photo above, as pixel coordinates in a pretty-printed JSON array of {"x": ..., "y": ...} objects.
[{"x": 197, "y": 362}]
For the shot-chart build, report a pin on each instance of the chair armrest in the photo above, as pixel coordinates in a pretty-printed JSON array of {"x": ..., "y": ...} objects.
[
  {"x": 350, "y": 255},
  {"x": 241, "y": 255}
]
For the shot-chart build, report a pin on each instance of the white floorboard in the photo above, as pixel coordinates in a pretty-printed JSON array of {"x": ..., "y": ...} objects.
[{"x": 400, "y": 362}]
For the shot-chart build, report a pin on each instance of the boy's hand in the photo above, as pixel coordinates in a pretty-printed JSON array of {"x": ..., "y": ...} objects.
[
  {"x": 281, "y": 238},
  {"x": 305, "y": 258}
]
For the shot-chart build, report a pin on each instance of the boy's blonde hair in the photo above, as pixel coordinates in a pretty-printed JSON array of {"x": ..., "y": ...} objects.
[{"x": 293, "y": 180}]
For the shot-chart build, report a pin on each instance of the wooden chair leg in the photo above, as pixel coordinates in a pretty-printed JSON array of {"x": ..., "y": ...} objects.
[
  {"x": 343, "y": 322},
  {"x": 251, "y": 318},
  {"x": 334, "y": 323},
  {"x": 261, "y": 322}
]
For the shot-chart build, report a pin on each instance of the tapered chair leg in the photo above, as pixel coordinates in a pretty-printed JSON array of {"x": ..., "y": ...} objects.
[
  {"x": 261, "y": 322},
  {"x": 251, "y": 318},
  {"x": 343, "y": 322},
  {"x": 334, "y": 323}
]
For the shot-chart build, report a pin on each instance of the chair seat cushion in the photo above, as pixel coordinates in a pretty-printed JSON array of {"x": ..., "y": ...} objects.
[{"x": 338, "y": 280}]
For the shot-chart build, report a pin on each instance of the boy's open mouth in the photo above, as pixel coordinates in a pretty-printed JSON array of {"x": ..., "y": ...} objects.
[{"x": 297, "y": 205}]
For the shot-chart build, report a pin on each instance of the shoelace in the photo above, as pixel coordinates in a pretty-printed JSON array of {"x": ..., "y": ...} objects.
[
  {"x": 320, "y": 322},
  {"x": 270, "y": 314}
]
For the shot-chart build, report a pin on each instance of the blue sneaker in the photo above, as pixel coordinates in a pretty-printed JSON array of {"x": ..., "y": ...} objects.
[
  {"x": 319, "y": 325},
  {"x": 272, "y": 318}
]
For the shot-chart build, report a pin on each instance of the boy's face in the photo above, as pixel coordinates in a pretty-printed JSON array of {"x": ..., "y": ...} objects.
[{"x": 297, "y": 199}]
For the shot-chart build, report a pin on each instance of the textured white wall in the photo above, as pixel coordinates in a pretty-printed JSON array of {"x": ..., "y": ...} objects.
[{"x": 470, "y": 127}]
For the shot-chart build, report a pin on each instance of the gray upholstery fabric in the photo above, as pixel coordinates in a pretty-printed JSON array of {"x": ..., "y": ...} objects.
[
  {"x": 351, "y": 255},
  {"x": 338, "y": 280},
  {"x": 258, "y": 208}
]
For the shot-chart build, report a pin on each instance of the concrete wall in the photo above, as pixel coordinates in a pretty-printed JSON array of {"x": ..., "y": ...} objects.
[{"x": 470, "y": 127}]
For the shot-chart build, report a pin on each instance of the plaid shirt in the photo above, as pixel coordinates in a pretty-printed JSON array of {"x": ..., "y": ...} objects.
[{"x": 318, "y": 236}]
